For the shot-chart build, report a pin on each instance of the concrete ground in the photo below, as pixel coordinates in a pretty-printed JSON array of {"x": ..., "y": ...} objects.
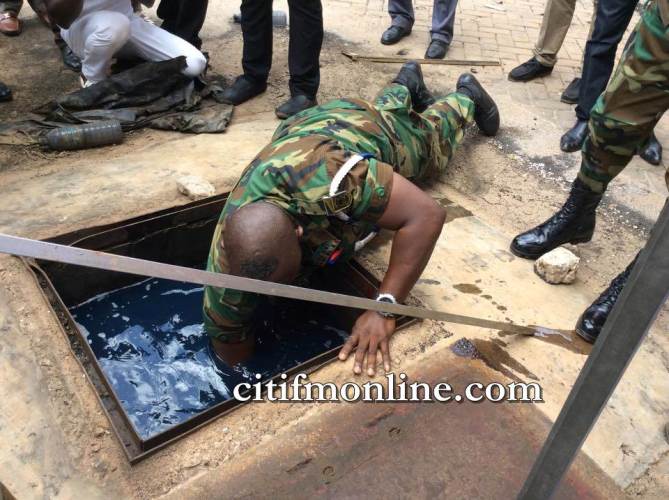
[{"x": 56, "y": 439}]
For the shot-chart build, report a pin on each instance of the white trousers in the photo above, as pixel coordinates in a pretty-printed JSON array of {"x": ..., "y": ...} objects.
[{"x": 100, "y": 36}]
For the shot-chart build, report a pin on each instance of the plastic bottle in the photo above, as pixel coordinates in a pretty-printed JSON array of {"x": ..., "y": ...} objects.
[
  {"x": 279, "y": 18},
  {"x": 88, "y": 135}
]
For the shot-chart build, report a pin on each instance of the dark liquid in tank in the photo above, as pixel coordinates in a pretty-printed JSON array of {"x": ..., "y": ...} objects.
[{"x": 150, "y": 341}]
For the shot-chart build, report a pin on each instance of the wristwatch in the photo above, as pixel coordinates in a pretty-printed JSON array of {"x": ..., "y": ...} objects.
[{"x": 386, "y": 297}]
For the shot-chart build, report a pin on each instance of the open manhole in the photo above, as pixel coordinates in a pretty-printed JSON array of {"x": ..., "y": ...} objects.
[{"x": 141, "y": 341}]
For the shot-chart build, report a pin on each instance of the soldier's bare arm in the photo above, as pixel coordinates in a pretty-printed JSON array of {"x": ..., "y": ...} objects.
[
  {"x": 418, "y": 221},
  {"x": 64, "y": 12}
]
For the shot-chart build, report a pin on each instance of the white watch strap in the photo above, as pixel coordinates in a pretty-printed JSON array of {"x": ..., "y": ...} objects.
[{"x": 387, "y": 297}]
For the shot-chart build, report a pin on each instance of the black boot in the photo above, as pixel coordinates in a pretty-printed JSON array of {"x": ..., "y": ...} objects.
[
  {"x": 574, "y": 138},
  {"x": 70, "y": 59},
  {"x": 242, "y": 90},
  {"x": 486, "y": 113},
  {"x": 411, "y": 76},
  {"x": 573, "y": 223},
  {"x": 593, "y": 318},
  {"x": 652, "y": 151},
  {"x": 571, "y": 93},
  {"x": 529, "y": 70},
  {"x": 294, "y": 105}
]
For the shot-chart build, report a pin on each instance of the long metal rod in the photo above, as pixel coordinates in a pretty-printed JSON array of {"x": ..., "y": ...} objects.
[
  {"x": 629, "y": 321},
  {"x": 399, "y": 59},
  {"x": 25, "y": 247}
]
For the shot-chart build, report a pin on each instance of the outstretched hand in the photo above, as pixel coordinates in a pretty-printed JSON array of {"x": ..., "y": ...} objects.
[{"x": 371, "y": 333}]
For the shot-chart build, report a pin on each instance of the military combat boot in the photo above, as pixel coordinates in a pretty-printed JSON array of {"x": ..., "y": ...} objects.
[
  {"x": 486, "y": 114},
  {"x": 411, "y": 76},
  {"x": 573, "y": 223},
  {"x": 593, "y": 318}
]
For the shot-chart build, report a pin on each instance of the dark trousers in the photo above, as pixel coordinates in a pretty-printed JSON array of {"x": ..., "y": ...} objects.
[
  {"x": 443, "y": 17},
  {"x": 184, "y": 18},
  {"x": 306, "y": 38},
  {"x": 613, "y": 17}
]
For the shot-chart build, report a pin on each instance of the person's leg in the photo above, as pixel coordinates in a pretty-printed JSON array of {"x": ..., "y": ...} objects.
[
  {"x": 571, "y": 93},
  {"x": 448, "y": 118},
  {"x": 306, "y": 38},
  {"x": 622, "y": 119},
  {"x": 257, "y": 34},
  {"x": 427, "y": 140},
  {"x": 70, "y": 59},
  {"x": 609, "y": 24},
  {"x": 95, "y": 39},
  {"x": 10, "y": 24},
  {"x": 443, "y": 20},
  {"x": 554, "y": 26},
  {"x": 401, "y": 13},
  {"x": 168, "y": 11},
  {"x": 184, "y": 18},
  {"x": 402, "y": 19},
  {"x": 625, "y": 115},
  {"x": 256, "y": 21},
  {"x": 611, "y": 21},
  {"x": 153, "y": 43}
]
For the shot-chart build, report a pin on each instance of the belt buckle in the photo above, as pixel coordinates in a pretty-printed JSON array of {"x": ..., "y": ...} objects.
[{"x": 337, "y": 203}]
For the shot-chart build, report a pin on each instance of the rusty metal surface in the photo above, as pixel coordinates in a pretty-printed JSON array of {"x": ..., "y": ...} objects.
[
  {"x": 405, "y": 450},
  {"x": 55, "y": 279}
]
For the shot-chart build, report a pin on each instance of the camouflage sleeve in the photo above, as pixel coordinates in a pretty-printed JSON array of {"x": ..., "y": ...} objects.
[
  {"x": 227, "y": 313},
  {"x": 371, "y": 182}
]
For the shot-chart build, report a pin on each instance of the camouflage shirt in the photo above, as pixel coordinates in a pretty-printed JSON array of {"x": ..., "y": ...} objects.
[{"x": 295, "y": 172}]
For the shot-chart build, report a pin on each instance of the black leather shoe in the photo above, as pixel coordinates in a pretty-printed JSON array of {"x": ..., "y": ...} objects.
[
  {"x": 573, "y": 223},
  {"x": 652, "y": 151},
  {"x": 70, "y": 59},
  {"x": 574, "y": 138},
  {"x": 571, "y": 93},
  {"x": 242, "y": 90},
  {"x": 411, "y": 76},
  {"x": 294, "y": 105},
  {"x": 593, "y": 318},
  {"x": 393, "y": 35},
  {"x": 529, "y": 70},
  {"x": 486, "y": 114},
  {"x": 5, "y": 93},
  {"x": 436, "y": 50}
]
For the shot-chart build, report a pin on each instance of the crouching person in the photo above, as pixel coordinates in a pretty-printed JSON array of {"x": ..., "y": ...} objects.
[{"x": 100, "y": 30}]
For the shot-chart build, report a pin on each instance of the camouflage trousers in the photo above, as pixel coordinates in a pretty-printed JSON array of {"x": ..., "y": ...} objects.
[
  {"x": 425, "y": 141},
  {"x": 636, "y": 97}
]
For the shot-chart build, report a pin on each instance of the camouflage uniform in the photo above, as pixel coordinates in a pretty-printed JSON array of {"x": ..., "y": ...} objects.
[
  {"x": 296, "y": 169},
  {"x": 635, "y": 99}
]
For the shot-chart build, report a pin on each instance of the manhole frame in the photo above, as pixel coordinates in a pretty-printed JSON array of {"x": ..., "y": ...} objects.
[{"x": 98, "y": 238}]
